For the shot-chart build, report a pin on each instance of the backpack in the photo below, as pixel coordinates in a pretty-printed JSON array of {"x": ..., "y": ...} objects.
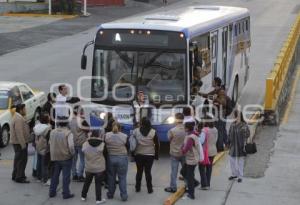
[{"x": 229, "y": 106}]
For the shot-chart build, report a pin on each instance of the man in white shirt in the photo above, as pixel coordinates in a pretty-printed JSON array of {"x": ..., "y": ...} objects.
[{"x": 61, "y": 107}]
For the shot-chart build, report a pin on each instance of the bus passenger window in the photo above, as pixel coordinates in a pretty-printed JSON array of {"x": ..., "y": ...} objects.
[
  {"x": 247, "y": 25},
  {"x": 243, "y": 26},
  {"x": 201, "y": 56},
  {"x": 235, "y": 30},
  {"x": 239, "y": 28}
]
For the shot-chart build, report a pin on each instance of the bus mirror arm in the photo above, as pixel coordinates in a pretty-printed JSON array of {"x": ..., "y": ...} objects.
[{"x": 83, "y": 56}]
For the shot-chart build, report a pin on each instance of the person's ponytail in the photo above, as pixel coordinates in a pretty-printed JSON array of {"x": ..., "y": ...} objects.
[{"x": 116, "y": 127}]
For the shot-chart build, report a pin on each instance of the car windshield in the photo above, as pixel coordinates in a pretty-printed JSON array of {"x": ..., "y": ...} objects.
[
  {"x": 160, "y": 75},
  {"x": 3, "y": 99}
]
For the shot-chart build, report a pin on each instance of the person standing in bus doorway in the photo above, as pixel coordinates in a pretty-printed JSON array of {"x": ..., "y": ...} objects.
[
  {"x": 80, "y": 129},
  {"x": 95, "y": 166},
  {"x": 147, "y": 150},
  {"x": 238, "y": 134},
  {"x": 176, "y": 137},
  {"x": 218, "y": 96},
  {"x": 61, "y": 152},
  {"x": 117, "y": 144},
  {"x": 61, "y": 108},
  {"x": 190, "y": 150},
  {"x": 19, "y": 139}
]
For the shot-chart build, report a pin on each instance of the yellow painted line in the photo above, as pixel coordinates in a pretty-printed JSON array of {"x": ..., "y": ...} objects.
[
  {"x": 291, "y": 100},
  {"x": 39, "y": 15},
  {"x": 218, "y": 157},
  {"x": 6, "y": 162},
  {"x": 174, "y": 197}
]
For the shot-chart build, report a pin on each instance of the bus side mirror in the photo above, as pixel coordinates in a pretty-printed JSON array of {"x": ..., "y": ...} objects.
[
  {"x": 83, "y": 62},
  {"x": 83, "y": 57}
]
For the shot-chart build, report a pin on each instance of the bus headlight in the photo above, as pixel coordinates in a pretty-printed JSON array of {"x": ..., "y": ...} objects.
[
  {"x": 102, "y": 115},
  {"x": 170, "y": 120}
]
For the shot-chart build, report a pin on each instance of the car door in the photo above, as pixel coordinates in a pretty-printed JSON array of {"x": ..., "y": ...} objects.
[{"x": 29, "y": 101}]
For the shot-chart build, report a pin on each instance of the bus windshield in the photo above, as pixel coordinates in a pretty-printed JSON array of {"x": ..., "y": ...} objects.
[
  {"x": 159, "y": 74},
  {"x": 3, "y": 100}
]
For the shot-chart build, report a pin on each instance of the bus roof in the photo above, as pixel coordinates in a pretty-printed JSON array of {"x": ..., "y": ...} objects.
[{"x": 191, "y": 20}]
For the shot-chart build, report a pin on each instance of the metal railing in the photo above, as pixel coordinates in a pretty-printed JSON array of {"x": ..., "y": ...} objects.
[{"x": 276, "y": 83}]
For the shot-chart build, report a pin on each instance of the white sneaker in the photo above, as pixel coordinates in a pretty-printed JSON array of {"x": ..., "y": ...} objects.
[
  {"x": 100, "y": 202},
  {"x": 83, "y": 199},
  {"x": 47, "y": 183}
]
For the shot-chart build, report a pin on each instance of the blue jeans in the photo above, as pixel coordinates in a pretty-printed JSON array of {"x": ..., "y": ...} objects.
[
  {"x": 174, "y": 170},
  {"x": 65, "y": 167},
  {"x": 79, "y": 172},
  {"x": 117, "y": 166}
]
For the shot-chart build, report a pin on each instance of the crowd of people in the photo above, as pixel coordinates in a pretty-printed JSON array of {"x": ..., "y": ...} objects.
[{"x": 84, "y": 154}]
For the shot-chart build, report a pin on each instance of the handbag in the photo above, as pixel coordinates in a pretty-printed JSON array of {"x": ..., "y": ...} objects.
[{"x": 251, "y": 148}]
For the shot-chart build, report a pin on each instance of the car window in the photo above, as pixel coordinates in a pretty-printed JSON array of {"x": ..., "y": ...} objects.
[
  {"x": 26, "y": 93},
  {"x": 15, "y": 95},
  {"x": 3, "y": 99}
]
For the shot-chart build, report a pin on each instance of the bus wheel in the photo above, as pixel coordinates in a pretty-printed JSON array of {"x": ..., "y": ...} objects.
[{"x": 235, "y": 93}]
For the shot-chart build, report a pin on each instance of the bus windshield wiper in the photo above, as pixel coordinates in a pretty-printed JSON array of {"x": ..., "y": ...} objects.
[
  {"x": 126, "y": 59},
  {"x": 151, "y": 61}
]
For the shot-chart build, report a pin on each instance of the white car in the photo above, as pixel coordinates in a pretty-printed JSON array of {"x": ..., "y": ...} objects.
[{"x": 11, "y": 94}]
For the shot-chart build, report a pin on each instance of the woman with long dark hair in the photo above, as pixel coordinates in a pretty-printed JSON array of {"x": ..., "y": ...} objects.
[
  {"x": 238, "y": 134},
  {"x": 146, "y": 151}
]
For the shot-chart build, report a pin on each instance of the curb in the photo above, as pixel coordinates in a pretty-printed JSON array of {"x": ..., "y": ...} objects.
[
  {"x": 39, "y": 15},
  {"x": 174, "y": 197}
]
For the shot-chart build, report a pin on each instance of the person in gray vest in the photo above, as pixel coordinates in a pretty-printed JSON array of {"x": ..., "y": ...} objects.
[
  {"x": 191, "y": 151},
  {"x": 146, "y": 151},
  {"x": 208, "y": 138},
  {"x": 94, "y": 166},
  {"x": 61, "y": 151},
  {"x": 80, "y": 129},
  {"x": 42, "y": 135},
  {"x": 176, "y": 137},
  {"x": 117, "y": 144}
]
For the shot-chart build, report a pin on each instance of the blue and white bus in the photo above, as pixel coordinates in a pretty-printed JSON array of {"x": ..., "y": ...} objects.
[{"x": 160, "y": 53}]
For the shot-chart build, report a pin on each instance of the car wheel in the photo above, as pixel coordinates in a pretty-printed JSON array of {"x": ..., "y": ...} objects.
[{"x": 4, "y": 140}]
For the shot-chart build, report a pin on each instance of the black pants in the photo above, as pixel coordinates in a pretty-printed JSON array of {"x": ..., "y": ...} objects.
[
  {"x": 144, "y": 163},
  {"x": 205, "y": 173},
  {"x": 98, "y": 184},
  {"x": 190, "y": 177},
  {"x": 20, "y": 162}
]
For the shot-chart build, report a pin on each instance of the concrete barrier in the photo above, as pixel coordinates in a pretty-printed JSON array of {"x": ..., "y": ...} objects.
[
  {"x": 280, "y": 79},
  {"x": 17, "y": 7}
]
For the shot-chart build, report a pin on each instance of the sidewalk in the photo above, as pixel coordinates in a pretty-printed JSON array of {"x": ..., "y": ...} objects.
[
  {"x": 42, "y": 32},
  {"x": 280, "y": 185}
]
